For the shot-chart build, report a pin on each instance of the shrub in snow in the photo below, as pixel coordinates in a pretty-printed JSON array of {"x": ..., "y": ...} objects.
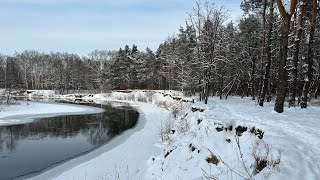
[
  {"x": 166, "y": 129},
  {"x": 213, "y": 159},
  {"x": 212, "y": 149}
]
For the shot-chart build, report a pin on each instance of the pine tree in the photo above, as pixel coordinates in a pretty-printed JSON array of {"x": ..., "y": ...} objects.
[
  {"x": 308, "y": 71},
  {"x": 282, "y": 75},
  {"x": 266, "y": 80}
]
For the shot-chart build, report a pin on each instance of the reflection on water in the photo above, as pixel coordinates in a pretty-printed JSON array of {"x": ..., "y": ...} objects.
[{"x": 30, "y": 148}]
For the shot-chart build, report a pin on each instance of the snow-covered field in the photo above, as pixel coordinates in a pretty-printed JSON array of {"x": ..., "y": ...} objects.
[{"x": 226, "y": 139}]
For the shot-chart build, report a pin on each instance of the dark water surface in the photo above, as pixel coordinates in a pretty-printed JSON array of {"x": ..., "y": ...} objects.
[{"x": 27, "y": 149}]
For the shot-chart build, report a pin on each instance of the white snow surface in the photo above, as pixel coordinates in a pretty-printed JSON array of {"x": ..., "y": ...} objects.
[
  {"x": 292, "y": 137},
  {"x": 290, "y": 143},
  {"x": 25, "y": 112}
]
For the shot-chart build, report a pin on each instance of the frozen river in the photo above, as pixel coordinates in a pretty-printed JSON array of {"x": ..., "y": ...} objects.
[{"x": 29, "y": 149}]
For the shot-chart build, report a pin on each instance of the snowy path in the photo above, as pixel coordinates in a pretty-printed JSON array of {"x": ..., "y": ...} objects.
[{"x": 295, "y": 132}]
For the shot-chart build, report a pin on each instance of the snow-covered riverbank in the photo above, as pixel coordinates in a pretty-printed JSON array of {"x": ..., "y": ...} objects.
[
  {"x": 125, "y": 157},
  {"x": 27, "y": 111},
  {"x": 226, "y": 139}
]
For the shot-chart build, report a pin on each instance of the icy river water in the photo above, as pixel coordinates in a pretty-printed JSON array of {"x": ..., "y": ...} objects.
[{"x": 28, "y": 149}]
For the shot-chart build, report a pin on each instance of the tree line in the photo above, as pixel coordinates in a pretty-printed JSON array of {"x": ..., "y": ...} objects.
[
  {"x": 273, "y": 50},
  {"x": 100, "y": 71}
]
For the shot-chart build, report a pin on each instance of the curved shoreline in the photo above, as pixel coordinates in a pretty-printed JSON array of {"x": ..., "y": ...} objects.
[
  {"x": 25, "y": 118},
  {"x": 53, "y": 172}
]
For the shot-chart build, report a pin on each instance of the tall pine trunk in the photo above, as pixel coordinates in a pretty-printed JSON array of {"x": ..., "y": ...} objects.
[
  {"x": 206, "y": 87},
  {"x": 317, "y": 90},
  {"x": 282, "y": 83},
  {"x": 266, "y": 79},
  {"x": 294, "y": 62},
  {"x": 282, "y": 75},
  {"x": 309, "y": 59},
  {"x": 263, "y": 54},
  {"x": 253, "y": 82}
]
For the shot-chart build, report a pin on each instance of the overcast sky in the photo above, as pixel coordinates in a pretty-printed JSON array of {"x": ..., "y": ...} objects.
[{"x": 80, "y": 26}]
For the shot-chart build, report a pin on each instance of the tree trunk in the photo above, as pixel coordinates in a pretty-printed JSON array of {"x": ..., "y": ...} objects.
[
  {"x": 310, "y": 56},
  {"x": 281, "y": 85},
  {"x": 200, "y": 89},
  {"x": 263, "y": 54},
  {"x": 317, "y": 90},
  {"x": 232, "y": 85},
  {"x": 294, "y": 62},
  {"x": 206, "y": 87},
  {"x": 220, "y": 86},
  {"x": 268, "y": 51},
  {"x": 253, "y": 82}
]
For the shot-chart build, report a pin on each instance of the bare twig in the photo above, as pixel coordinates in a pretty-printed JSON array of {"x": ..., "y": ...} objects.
[
  {"x": 236, "y": 172},
  {"x": 241, "y": 157}
]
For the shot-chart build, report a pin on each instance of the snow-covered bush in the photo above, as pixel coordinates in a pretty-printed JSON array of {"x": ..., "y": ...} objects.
[
  {"x": 166, "y": 129},
  {"x": 41, "y": 93},
  {"x": 212, "y": 149}
]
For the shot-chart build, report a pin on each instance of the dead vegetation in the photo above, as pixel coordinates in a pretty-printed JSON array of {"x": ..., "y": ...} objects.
[
  {"x": 213, "y": 159},
  {"x": 195, "y": 109}
]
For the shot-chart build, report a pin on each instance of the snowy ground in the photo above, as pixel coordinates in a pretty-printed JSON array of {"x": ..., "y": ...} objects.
[
  {"x": 176, "y": 142},
  {"x": 290, "y": 143},
  {"x": 27, "y": 111}
]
